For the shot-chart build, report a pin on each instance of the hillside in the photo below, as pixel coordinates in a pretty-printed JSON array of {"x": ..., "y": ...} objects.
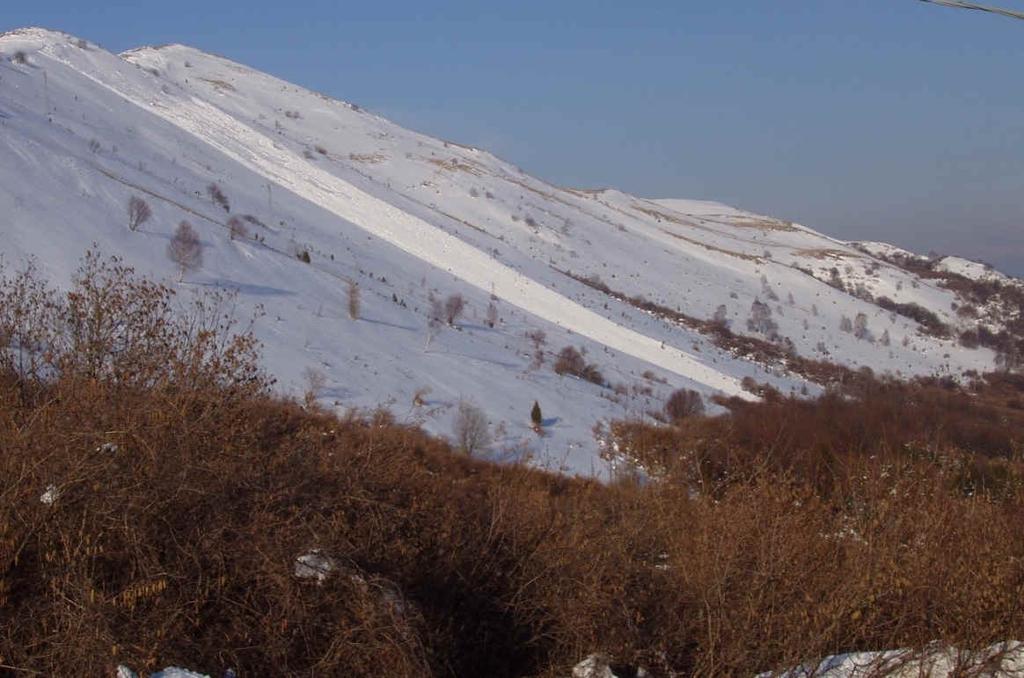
[{"x": 330, "y": 195}]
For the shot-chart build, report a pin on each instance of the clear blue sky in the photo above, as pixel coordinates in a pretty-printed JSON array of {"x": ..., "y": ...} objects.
[{"x": 870, "y": 119}]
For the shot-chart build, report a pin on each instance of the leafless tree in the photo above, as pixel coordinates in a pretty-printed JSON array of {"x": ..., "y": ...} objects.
[
  {"x": 217, "y": 197},
  {"x": 315, "y": 383},
  {"x": 721, "y": 316},
  {"x": 860, "y": 328},
  {"x": 492, "y": 315},
  {"x": 185, "y": 250},
  {"x": 435, "y": 318},
  {"x": 760, "y": 319},
  {"x": 138, "y": 212},
  {"x": 470, "y": 428}
]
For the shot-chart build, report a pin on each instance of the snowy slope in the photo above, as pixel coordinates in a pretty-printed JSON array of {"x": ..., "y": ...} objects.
[{"x": 411, "y": 218}]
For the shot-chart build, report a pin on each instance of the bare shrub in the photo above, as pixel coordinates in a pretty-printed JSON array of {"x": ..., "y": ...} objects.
[
  {"x": 138, "y": 212},
  {"x": 20, "y": 57},
  {"x": 113, "y": 325},
  {"x": 682, "y": 404},
  {"x": 353, "y": 300},
  {"x": 571, "y": 361},
  {"x": 470, "y": 429},
  {"x": 454, "y": 306},
  {"x": 217, "y": 197},
  {"x": 538, "y": 338},
  {"x": 419, "y": 397},
  {"x": 435, "y": 313},
  {"x": 185, "y": 250},
  {"x": 237, "y": 230},
  {"x": 491, "y": 318}
]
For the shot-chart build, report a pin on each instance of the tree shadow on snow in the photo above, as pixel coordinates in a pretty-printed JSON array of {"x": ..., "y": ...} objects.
[{"x": 246, "y": 288}]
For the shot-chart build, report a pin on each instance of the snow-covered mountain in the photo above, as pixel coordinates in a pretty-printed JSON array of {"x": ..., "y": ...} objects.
[{"x": 332, "y": 195}]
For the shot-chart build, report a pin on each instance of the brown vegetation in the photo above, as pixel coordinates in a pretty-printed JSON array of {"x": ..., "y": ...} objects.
[
  {"x": 682, "y": 404},
  {"x": 886, "y": 515}
]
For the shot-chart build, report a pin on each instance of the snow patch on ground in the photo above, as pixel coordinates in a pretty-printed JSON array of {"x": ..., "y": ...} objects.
[{"x": 1002, "y": 659}]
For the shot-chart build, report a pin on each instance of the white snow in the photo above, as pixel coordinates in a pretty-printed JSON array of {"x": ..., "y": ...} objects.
[
  {"x": 970, "y": 269},
  {"x": 410, "y": 218},
  {"x": 314, "y": 565},
  {"x": 1001, "y": 659},
  {"x": 170, "y": 672},
  {"x": 50, "y": 496}
]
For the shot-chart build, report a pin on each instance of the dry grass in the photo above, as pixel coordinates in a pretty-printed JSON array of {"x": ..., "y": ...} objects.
[
  {"x": 823, "y": 253},
  {"x": 221, "y": 85},
  {"x": 458, "y": 165},
  {"x": 367, "y": 158}
]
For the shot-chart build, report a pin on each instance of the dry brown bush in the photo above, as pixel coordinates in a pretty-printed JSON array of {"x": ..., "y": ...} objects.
[
  {"x": 884, "y": 516},
  {"x": 683, "y": 403},
  {"x": 237, "y": 229},
  {"x": 571, "y": 361}
]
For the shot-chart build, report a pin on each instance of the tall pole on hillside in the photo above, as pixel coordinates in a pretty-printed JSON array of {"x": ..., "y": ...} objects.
[{"x": 961, "y": 4}]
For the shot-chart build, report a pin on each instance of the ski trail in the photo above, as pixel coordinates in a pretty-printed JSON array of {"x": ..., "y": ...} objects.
[{"x": 260, "y": 154}]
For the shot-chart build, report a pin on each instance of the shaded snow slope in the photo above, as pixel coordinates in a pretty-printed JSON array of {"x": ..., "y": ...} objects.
[{"x": 411, "y": 220}]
